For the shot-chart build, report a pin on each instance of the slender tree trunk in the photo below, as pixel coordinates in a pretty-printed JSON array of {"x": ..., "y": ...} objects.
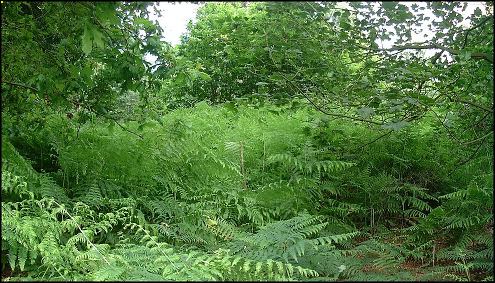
[{"x": 243, "y": 172}]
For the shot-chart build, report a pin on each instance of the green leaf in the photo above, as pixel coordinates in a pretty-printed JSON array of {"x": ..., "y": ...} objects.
[
  {"x": 111, "y": 126},
  {"x": 98, "y": 38},
  {"x": 105, "y": 11},
  {"x": 465, "y": 55},
  {"x": 366, "y": 112},
  {"x": 204, "y": 76},
  {"x": 13, "y": 256},
  {"x": 23, "y": 254},
  {"x": 59, "y": 85},
  {"x": 395, "y": 125},
  {"x": 146, "y": 124},
  {"x": 389, "y": 5},
  {"x": 278, "y": 79},
  {"x": 143, "y": 21},
  {"x": 87, "y": 44}
]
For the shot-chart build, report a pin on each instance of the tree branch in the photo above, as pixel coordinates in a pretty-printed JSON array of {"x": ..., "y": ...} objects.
[
  {"x": 474, "y": 104},
  {"x": 116, "y": 122},
  {"x": 475, "y": 55},
  {"x": 471, "y": 157},
  {"x": 469, "y": 103},
  {"x": 450, "y": 134},
  {"x": 123, "y": 128},
  {"x": 473, "y": 28},
  {"x": 379, "y": 137},
  {"x": 476, "y": 123},
  {"x": 327, "y": 113},
  {"x": 21, "y": 85},
  {"x": 435, "y": 58},
  {"x": 476, "y": 140}
]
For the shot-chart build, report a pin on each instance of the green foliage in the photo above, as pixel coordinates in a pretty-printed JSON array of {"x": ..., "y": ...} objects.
[
  {"x": 262, "y": 62},
  {"x": 67, "y": 61},
  {"x": 284, "y": 144},
  {"x": 193, "y": 201}
]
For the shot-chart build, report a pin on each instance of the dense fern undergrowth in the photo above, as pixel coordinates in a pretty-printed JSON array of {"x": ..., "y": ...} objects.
[{"x": 221, "y": 193}]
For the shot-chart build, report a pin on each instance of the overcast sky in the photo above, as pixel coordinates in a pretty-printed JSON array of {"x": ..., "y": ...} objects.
[{"x": 174, "y": 19}]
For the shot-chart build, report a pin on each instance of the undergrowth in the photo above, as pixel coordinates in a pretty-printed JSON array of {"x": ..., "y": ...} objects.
[{"x": 216, "y": 193}]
